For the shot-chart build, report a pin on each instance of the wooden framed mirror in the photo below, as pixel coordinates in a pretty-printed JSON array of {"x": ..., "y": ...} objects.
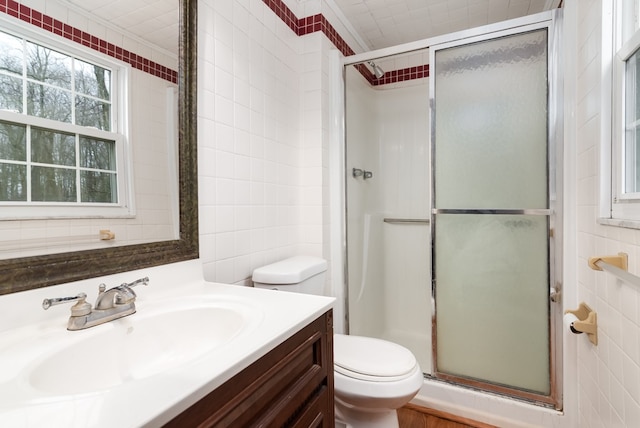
[{"x": 26, "y": 273}]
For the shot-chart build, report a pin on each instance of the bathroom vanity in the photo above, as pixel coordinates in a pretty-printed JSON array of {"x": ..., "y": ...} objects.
[
  {"x": 194, "y": 353},
  {"x": 290, "y": 386}
]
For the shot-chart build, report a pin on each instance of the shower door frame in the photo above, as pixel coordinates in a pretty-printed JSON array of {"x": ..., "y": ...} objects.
[
  {"x": 552, "y": 19},
  {"x": 553, "y": 23}
]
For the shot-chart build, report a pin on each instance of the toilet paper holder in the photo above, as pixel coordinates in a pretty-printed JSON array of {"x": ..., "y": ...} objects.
[{"x": 587, "y": 322}]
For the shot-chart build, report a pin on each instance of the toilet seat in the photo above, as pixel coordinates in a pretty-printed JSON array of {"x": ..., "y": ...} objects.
[{"x": 370, "y": 359}]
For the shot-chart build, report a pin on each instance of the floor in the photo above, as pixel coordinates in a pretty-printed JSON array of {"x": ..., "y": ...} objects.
[{"x": 411, "y": 416}]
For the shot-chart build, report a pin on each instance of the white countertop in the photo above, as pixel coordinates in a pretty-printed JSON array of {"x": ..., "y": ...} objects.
[{"x": 148, "y": 401}]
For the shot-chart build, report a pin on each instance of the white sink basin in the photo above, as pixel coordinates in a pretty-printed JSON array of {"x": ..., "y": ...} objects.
[
  {"x": 188, "y": 337},
  {"x": 150, "y": 342}
]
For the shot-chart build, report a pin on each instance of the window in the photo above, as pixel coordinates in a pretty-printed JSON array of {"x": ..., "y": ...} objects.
[
  {"x": 625, "y": 186},
  {"x": 631, "y": 176},
  {"x": 60, "y": 141}
]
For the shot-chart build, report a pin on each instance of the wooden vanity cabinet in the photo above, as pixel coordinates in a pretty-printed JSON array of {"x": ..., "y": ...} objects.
[{"x": 291, "y": 386}]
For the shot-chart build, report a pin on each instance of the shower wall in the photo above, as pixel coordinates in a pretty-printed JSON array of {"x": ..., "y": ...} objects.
[{"x": 389, "y": 276}]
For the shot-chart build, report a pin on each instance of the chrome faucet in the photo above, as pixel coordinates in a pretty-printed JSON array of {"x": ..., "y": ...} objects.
[{"x": 117, "y": 302}]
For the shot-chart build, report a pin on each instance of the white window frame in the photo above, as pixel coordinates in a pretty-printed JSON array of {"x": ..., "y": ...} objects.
[
  {"x": 625, "y": 30},
  {"x": 120, "y": 72}
]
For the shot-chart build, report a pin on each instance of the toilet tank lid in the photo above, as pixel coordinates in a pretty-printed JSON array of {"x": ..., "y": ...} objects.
[{"x": 290, "y": 271}]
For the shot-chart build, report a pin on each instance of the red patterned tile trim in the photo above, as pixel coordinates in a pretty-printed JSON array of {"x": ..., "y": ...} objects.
[
  {"x": 318, "y": 22},
  {"x": 394, "y": 76},
  {"x": 40, "y": 20}
]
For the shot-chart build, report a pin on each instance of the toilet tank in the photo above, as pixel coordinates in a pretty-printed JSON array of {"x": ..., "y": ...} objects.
[{"x": 300, "y": 274}]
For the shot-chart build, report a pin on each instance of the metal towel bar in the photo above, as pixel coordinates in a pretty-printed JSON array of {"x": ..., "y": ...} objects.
[{"x": 406, "y": 220}]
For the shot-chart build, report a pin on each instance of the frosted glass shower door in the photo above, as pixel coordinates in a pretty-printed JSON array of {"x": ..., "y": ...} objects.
[{"x": 491, "y": 212}]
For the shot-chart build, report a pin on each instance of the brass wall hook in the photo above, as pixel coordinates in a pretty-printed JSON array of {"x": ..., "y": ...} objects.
[{"x": 587, "y": 322}]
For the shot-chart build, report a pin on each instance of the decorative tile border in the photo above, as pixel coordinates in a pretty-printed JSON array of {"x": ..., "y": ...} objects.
[
  {"x": 284, "y": 13},
  {"x": 311, "y": 24},
  {"x": 410, "y": 73},
  {"x": 300, "y": 26},
  {"x": 47, "y": 23},
  {"x": 318, "y": 22}
]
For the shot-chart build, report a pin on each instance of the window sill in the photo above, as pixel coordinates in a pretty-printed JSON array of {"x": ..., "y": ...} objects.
[
  {"x": 52, "y": 212},
  {"x": 618, "y": 222}
]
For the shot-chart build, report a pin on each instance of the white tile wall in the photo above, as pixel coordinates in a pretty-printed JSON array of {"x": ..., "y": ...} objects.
[
  {"x": 609, "y": 374},
  {"x": 260, "y": 139}
]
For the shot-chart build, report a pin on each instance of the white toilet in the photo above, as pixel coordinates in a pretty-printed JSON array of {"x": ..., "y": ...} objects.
[{"x": 372, "y": 377}]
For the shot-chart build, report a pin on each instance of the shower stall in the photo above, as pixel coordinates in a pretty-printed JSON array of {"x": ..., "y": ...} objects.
[{"x": 453, "y": 231}]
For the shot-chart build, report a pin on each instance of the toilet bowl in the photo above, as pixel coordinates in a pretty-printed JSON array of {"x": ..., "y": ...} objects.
[{"x": 372, "y": 377}]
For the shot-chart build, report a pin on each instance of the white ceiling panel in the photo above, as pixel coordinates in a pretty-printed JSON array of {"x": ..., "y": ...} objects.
[
  {"x": 155, "y": 21},
  {"x": 385, "y": 23},
  {"x": 379, "y": 23}
]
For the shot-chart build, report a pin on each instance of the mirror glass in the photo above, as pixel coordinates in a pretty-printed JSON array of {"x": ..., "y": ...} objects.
[{"x": 155, "y": 220}]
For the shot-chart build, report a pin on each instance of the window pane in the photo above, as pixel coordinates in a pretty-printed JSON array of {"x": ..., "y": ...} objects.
[
  {"x": 51, "y": 147},
  {"x": 93, "y": 80},
  {"x": 11, "y": 61},
  {"x": 53, "y": 184},
  {"x": 632, "y": 113},
  {"x": 11, "y": 93},
  {"x": 98, "y": 187},
  {"x": 11, "y": 54},
  {"x": 13, "y": 179},
  {"x": 13, "y": 142},
  {"x": 633, "y": 159},
  {"x": 94, "y": 113},
  {"x": 48, "y": 66},
  {"x": 48, "y": 102},
  {"x": 97, "y": 154}
]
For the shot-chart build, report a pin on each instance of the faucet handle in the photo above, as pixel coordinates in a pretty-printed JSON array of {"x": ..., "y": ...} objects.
[
  {"x": 143, "y": 281},
  {"x": 79, "y": 309},
  {"x": 47, "y": 303}
]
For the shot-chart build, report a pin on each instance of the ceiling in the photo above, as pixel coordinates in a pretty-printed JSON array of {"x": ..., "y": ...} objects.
[
  {"x": 155, "y": 21},
  {"x": 378, "y": 23},
  {"x": 384, "y": 23}
]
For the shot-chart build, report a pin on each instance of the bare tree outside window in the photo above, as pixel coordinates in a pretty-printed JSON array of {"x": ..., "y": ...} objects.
[
  {"x": 11, "y": 70},
  {"x": 93, "y": 87},
  {"x": 13, "y": 175}
]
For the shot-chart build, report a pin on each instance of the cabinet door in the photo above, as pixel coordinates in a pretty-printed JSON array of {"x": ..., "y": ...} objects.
[{"x": 315, "y": 414}]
